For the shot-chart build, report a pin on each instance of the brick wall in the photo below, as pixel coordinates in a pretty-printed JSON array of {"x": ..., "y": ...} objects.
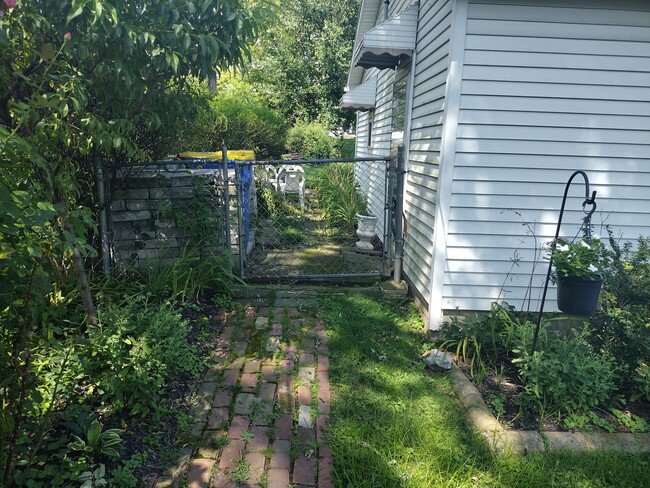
[{"x": 156, "y": 211}]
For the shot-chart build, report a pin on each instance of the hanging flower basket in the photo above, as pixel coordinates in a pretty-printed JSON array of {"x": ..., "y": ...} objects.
[
  {"x": 579, "y": 273},
  {"x": 577, "y": 296}
]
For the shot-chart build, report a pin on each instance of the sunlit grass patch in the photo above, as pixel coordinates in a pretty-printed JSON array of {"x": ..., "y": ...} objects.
[{"x": 395, "y": 424}]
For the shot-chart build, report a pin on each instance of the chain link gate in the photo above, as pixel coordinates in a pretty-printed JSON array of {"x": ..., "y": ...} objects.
[{"x": 299, "y": 220}]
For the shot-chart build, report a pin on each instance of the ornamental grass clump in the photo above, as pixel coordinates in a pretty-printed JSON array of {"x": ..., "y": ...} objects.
[
  {"x": 339, "y": 197},
  {"x": 587, "y": 258}
]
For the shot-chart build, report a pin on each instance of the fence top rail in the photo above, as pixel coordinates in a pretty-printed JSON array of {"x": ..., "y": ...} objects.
[
  {"x": 246, "y": 162},
  {"x": 307, "y": 161}
]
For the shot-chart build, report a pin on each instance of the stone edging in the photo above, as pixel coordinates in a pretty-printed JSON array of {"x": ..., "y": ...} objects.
[{"x": 501, "y": 440}]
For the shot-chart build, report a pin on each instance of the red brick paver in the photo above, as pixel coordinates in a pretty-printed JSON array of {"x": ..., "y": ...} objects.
[
  {"x": 248, "y": 382},
  {"x": 304, "y": 471},
  {"x": 238, "y": 426},
  {"x": 252, "y": 366},
  {"x": 306, "y": 359},
  {"x": 199, "y": 473},
  {"x": 323, "y": 363},
  {"x": 304, "y": 395},
  {"x": 264, "y": 416},
  {"x": 231, "y": 454},
  {"x": 281, "y": 454},
  {"x": 256, "y": 467},
  {"x": 218, "y": 417},
  {"x": 222, "y": 398},
  {"x": 284, "y": 426},
  {"x": 259, "y": 441},
  {"x": 229, "y": 377},
  {"x": 278, "y": 478}
]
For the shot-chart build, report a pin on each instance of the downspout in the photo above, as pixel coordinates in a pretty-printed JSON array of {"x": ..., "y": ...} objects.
[{"x": 386, "y": 7}]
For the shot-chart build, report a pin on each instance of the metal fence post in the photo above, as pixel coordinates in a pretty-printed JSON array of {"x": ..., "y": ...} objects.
[
  {"x": 226, "y": 196},
  {"x": 103, "y": 217},
  {"x": 388, "y": 218},
  {"x": 399, "y": 209},
  {"x": 241, "y": 239}
]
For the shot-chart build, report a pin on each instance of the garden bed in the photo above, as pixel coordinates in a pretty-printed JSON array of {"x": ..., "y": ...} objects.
[
  {"x": 151, "y": 444},
  {"x": 500, "y": 393}
]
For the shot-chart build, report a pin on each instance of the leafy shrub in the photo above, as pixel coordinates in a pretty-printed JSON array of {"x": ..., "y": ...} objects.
[
  {"x": 188, "y": 276},
  {"x": 312, "y": 140},
  {"x": 245, "y": 121},
  {"x": 269, "y": 202},
  {"x": 566, "y": 377},
  {"x": 484, "y": 339},
  {"x": 620, "y": 328},
  {"x": 339, "y": 197},
  {"x": 124, "y": 474},
  {"x": 135, "y": 351},
  {"x": 642, "y": 380}
]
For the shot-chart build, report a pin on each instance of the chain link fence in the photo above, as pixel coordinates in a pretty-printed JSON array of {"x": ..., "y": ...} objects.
[
  {"x": 160, "y": 211},
  {"x": 279, "y": 220},
  {"x": 315, "y": 220}
]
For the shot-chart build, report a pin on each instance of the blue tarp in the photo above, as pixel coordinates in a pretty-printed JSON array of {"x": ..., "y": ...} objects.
[{"x": 244, "y": 189}]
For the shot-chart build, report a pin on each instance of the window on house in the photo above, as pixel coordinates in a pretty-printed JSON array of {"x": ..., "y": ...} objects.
[
  {"x": 399, "y": 96},
  {"x": 371, "y": 116}
]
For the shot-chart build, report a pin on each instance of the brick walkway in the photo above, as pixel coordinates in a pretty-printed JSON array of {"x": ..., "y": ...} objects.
[{"x": 262, "y": 408}]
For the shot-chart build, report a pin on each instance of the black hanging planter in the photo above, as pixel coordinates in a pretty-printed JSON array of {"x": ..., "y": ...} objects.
[{"x": 577, "y": 296}]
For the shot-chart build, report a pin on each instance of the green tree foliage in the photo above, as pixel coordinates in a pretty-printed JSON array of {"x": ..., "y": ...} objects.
[
  {"x": 302, "y": 59},
  {"x": 244, "y": 120},
  {"x": 81, "y": 82},
  {"x": 312, "y": 141}
]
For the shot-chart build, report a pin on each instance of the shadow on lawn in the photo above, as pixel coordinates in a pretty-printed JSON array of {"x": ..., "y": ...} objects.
[
  {"x": 396, "y": 424},
  {"x": 388, "y": 410}
]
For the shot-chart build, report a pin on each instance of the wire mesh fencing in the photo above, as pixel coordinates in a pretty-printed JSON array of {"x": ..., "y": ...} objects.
[
  {"x": 313, "y": 219},
  {"x": 277, "y": 220}
]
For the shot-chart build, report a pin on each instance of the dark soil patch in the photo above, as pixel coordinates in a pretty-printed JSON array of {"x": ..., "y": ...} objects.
[{"x": 500, "y": 391}]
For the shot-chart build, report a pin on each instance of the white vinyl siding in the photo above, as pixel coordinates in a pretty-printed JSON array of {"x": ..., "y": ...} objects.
[
  {"x": 547, "y": 88},
  {"x": 372, "y": 177},
  {"x": 432, "y": 49}
]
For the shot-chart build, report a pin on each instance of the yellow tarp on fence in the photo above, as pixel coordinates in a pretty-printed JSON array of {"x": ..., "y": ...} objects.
[{"x": 236, "y": 155}]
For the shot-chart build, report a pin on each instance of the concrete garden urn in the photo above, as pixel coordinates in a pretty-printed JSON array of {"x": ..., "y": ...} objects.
[{"x": 365, "y": 231}]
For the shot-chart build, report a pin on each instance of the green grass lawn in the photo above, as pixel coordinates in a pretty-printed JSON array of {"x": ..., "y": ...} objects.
[
  {"x": 347, "y": 148},
  {"x": 393, "y": 423}
]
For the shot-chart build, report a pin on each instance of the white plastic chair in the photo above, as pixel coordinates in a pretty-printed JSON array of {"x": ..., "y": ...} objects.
[
  {"x": 291, "y": 179},
  {"x": 271, "y": 173}
]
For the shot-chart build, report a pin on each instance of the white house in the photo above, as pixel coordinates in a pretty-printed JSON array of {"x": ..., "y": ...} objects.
[{"x": 497, "y": 103}]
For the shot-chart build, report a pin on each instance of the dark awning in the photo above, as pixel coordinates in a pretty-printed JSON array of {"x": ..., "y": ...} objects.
[
  {"x": 382, "y": 46},
  {"x": 361, "y": 97}
]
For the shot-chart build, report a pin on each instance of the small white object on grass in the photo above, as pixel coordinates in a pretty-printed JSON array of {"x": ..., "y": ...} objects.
[{"x": 437, "y": 358}]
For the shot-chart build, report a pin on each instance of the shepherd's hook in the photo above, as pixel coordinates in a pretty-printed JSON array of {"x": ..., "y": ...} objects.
[{"x": 588, "y": 201}]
